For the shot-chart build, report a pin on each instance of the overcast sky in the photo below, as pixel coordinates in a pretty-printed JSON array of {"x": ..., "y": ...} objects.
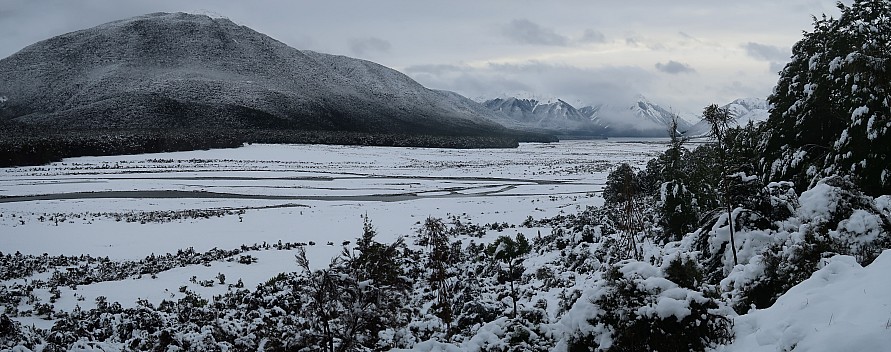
[{"x": 681, "y": 54}]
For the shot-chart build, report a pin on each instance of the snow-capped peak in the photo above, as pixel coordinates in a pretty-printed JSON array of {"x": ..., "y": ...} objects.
[{"x": 743, "y": 110}]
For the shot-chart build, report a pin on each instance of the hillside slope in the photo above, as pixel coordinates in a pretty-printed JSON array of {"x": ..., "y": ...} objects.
[
  {"x": 180, "y": 70},
  {"x": 841, "y": 307}
]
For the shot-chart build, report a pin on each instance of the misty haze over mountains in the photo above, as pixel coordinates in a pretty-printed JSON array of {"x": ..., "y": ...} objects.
[{"x": 640, "y": 118}]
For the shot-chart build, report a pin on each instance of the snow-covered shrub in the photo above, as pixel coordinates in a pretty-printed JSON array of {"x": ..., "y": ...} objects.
[
  {"x": 758, "y": 212},
  {"x": 834, "y": 217},
  {"x": 622, "y": 184},
  {"x": 683, "y": 184},
  {"x": 684, "y": 272},
  {"x": 677, "y": 210},
  {"x": 9, "y": 331},
  {"x": 639, "y": 309}
]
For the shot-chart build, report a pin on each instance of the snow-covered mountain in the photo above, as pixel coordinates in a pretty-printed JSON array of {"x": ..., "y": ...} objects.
[
  {"x": 178, "y": 70},
  {"x": 641, "y": 117},
  {"x": 524, "y": 132},
  {"x": 743, "y": 110},
  {"x": 557, "y": 116}
]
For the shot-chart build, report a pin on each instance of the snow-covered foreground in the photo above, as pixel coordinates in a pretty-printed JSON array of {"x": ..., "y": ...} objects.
[
  {"x": 258, "y": 204},
  {"x": 291, "y": 193},
  {"x": 842, "y": 307}
]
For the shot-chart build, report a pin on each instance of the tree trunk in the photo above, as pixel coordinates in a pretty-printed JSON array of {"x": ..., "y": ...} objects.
[
  {"x": 732, "y": 240},
  {"x": 513, "y": 291},
  {"x": 727, "y": 201}
]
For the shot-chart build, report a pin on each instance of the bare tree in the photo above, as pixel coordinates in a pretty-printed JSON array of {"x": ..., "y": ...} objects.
[{"x": 623, "y": 188}]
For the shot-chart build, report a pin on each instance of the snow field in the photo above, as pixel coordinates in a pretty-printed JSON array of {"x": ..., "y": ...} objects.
[{"x": 483, "y": 186}]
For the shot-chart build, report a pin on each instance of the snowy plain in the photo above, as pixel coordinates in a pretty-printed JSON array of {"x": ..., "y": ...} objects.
[{"x": 288, "y": 193}]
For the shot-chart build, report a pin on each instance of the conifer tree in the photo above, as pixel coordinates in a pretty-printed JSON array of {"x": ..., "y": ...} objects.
[
  {"x": 511, "y": 252},
  {"x": 440, "y": 262},
  {"x": 832, "y": 104},
  {"x": 676, "y": 202}
]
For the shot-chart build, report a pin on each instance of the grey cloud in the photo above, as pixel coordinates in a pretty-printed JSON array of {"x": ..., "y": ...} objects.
[
  {"x": 674, "y": 67},
  {"x": 738, "y": 89},
  {"x": 774, "y": 55},
  {"x": 363, "y": 46},
  {"x": 5, "y": 14},
  {"x": 524, "y": 31},
  {"x": 767, "y": 52},
  {"x": 687, "y": 38},
  {"x": 485, "y": 85},
  {"x": 636, "y": 40},
  {"x": 570, "y": 83},
  {"x": 592, "y": 36}
]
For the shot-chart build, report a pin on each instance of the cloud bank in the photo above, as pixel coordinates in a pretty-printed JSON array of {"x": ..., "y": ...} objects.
[
  {"x": 524, "y": 31},
  {"x": 674, "y": 67}
]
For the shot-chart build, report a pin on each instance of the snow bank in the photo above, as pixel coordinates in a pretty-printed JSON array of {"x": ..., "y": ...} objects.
[{"x": 842, "y": 307}]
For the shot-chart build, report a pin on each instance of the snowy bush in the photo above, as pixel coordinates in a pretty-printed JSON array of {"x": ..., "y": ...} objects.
[
  {"x": 639, "y": 309},
  {"x": 833, "y": 218}
]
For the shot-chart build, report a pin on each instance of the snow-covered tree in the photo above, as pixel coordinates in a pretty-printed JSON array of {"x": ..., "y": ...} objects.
[
  {"x": 832, "y": 105},
  {"x": 510, "y": 252},
  {"x": 667, "y": 179},
  {"x": 441, "y": 259}
]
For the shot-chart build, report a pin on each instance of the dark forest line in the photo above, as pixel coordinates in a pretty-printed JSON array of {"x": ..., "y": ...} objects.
[{"x": 26, "y": 145}]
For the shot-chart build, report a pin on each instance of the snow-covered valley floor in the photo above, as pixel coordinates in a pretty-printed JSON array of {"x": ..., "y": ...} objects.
[{"x": 130, "y": 207}]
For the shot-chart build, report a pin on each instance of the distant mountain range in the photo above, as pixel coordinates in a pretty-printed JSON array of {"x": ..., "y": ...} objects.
[
  {"x": 557, "y": 117},
  {"x": 183, "y": 71},
  {"x": 639, "y": 118},
  {"x": 745, "y": 110}
]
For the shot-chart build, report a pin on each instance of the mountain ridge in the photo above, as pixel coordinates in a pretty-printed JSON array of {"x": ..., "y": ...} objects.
[
  {"x": 641, "y": 118},
  {"x": 179, "y": 70}
]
